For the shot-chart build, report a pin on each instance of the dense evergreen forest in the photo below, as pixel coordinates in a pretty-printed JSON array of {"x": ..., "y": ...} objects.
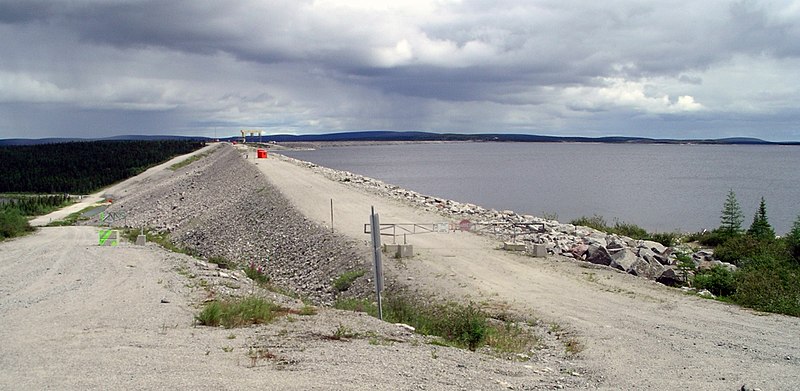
[{"x": 82, "y": 167}]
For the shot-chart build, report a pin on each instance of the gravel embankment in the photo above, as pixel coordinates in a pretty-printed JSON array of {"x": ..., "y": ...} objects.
[{"x": 222, "y": 206}]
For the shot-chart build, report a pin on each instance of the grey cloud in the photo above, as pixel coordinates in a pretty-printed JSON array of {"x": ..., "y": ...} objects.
[{"x": 619, "y": 66}]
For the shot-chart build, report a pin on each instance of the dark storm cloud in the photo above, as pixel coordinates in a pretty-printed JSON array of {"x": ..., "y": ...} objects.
[{"x": 311, "y": 66}]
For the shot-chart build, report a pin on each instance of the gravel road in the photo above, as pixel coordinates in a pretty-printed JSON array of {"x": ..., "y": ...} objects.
[
  {"x": 78, "y": 316},
  {"x": 639, "y": 334}
]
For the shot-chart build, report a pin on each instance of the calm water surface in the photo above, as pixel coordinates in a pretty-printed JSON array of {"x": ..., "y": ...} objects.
[{"x": 659, "y": 187}]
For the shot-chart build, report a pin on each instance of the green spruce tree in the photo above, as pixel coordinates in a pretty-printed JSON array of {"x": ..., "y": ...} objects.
[
  {"x": 732, "y": 216},
  {"x": 760, "y": 229},
  {"x": 793, "y": 239}
]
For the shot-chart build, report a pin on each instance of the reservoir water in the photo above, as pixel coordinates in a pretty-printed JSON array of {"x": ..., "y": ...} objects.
[{"x": 658, "y": 187}]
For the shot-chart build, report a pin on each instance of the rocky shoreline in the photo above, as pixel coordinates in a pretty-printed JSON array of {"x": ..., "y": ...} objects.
[{"x": 647, "y": 259}]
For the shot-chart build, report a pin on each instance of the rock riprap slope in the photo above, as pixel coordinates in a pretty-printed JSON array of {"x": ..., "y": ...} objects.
[
  {"x": 643, "y": 258},
  {"x": 222, "y": 206}
]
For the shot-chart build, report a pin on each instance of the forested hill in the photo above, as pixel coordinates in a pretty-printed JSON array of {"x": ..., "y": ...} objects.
[{"x": 82, "y": 167}]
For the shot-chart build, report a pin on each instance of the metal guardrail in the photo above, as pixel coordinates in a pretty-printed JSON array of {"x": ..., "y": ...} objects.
[
  {"x": 397, "y": 229},
  {"x": 111, "y": 218}
]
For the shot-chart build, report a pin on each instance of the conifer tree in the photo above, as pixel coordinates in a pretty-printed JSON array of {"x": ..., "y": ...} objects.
[
  {"x": 760, "y": 228},
  {"x": 793, "y": 238},
  {"x": 732, "y": 216}
]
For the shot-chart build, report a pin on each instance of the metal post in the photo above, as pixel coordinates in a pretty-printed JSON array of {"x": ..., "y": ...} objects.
[
  {"x": 376, "y": 252},
  {"x": 331, "y": 215}
]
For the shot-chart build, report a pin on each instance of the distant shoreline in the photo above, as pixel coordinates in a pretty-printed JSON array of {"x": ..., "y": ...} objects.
[{"x": 384, "y": 137}]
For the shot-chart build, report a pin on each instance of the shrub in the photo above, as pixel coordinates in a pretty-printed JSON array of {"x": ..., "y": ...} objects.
[
  {"x": 717, "y": 280},
  {"x": 13, "y": 223},
  {"x": 739, "y": 249},
  {"x": 630, "y": 230},
  {"x": 597, "y": 222},
  {"x": 769, "y": 284},
  {"x": 685, "y": 265},
  {"x": 711, "y": 238},
  {"x": 666, "y": 238},
  {"x": 793, "y": 240}
]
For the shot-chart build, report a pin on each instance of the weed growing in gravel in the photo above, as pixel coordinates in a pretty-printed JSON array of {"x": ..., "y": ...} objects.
[
  {"x": 357, "y": 305},
  {"x": 463, "y": 326},
  {"x": 377, "y": 340},
  {"x": 308, "y": 310},
  {"x": 256, "y": 273},
  {"x": 344, "y": 281},
  {"x": 343, "y": 332},
  {"x": 239, "y": 312},
  {"x": 573, "y": 346},
  {"x": 511, "y": 338},
  {"x": 256, "y": 354}
]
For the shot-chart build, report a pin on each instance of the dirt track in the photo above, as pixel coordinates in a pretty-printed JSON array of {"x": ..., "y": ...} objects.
[{"x": 640, "y": 334}]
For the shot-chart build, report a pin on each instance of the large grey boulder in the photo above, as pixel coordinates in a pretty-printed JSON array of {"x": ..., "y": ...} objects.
[
  {"x": 598, "y": 255},
  {"x": 668, "y": 277},
  {"x": 597, "y": 239},
  {"x": 655, "y": 247},
  {"x": 642, "y": 268},
  {"x": 623, "y": 259},
  {"x": 648, "y": 255},
  {"x": 664, "y": 257}
]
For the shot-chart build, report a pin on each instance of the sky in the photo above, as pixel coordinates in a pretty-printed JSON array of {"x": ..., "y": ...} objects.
[{"x": 664, "y": 69}]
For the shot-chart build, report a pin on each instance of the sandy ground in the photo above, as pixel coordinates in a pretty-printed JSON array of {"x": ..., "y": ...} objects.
[{"x": 639, "y": 334}]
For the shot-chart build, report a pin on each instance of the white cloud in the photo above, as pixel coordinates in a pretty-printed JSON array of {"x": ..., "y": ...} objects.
[
  {"x": 24, "y": 87},
  {"x": 617, "y": 93}
]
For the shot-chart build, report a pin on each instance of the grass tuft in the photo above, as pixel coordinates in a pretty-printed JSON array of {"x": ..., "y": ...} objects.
[
  {"x": 511, "y": 338},
  {"x": 189, "y": 160},
  {"x": 345, "y": 281},
  {"x": 239, "y": 312}
]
